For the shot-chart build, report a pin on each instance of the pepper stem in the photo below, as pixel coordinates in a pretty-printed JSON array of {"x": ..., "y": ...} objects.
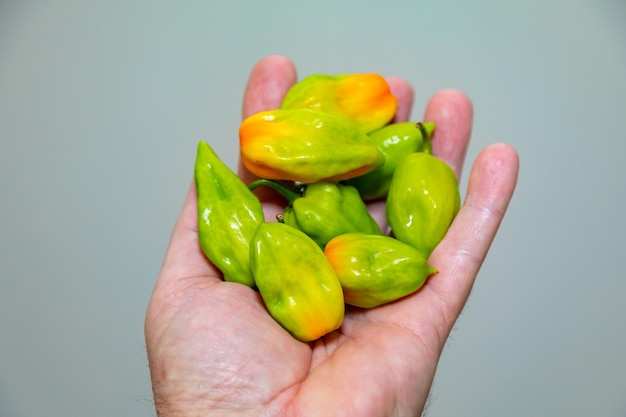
[
  {"x": 290, "y": 194},
  {"x": 426, "y": 129}
]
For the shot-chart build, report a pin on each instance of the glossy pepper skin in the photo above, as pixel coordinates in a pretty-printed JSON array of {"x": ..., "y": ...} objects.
[
  {"x": 324, "y": 210},
  {"x": 364, "y": 99},
  {"x": 423, "y": 200},
  {"x": 375, "y": 270},
  {"x": 228, "y": 216},
  {"x": 396, "y": 141},
  {"x": 305, "y": 146},
  {"x": 298, "y": 286}
]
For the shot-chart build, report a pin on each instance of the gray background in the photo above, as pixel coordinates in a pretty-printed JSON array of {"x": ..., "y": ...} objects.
[{"x": 101, "y": 107}]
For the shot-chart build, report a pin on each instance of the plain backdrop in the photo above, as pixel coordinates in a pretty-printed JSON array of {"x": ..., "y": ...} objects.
[{"x": 101, "y": 108}]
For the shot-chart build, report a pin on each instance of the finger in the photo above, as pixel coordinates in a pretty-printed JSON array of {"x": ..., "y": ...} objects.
[
  {"x": 452, "y": 113},
  {"x": 460, "y": 255},
  {"x": 403, "y": 92},
  {"x": 268, "y": 83}
]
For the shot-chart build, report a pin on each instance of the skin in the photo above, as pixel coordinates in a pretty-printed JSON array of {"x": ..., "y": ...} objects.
[{"x": 214, "y": 350}]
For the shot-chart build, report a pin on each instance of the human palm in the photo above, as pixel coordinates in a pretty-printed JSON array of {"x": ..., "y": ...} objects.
[{"x": 213, "y": 349}]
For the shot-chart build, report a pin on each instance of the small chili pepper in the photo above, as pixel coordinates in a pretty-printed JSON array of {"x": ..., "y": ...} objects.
[
  {"x": 364, "y": 99},
  {"x": 396, "y": 141},
  {"x": 298, "y": 286},
  {"x": 375, "y": 270},
  {"x": 305, "y": 146},
  {"x": 423, "y": 200},
  {"x": 228, "y": 215},
  {"x": 324, "y": 210}
]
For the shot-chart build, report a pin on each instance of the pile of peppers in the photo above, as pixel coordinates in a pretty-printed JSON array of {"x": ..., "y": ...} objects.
[{"x": 330, "y": 148}]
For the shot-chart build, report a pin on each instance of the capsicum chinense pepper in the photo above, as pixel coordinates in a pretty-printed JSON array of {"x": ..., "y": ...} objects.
[
  {"x": 396, "y": 141},
  {"x": 306, "y": 146},
  {"x": 364, "y": 99},
  {"x": 423, "y": 200},
  {"x": 297, "y": 283},
  {"x": 375, "y": 270},
  {"x": 228, "y": 215},
  {"x": 324, "y": 210}
]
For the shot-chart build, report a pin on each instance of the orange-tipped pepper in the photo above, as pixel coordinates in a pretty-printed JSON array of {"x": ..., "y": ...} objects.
[
  {"x": 295, "y": 280},
  {"x": 364, "y": 99},
  {"x": 306, "y": 146},
  {"x": 376, "y": 269}
]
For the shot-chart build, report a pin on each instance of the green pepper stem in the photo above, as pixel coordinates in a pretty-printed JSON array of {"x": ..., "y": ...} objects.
[{"x": 289, "y": 194}]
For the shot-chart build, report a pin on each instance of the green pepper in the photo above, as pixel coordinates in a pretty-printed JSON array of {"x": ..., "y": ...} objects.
[
  {"x": 297, "y": 283},
  {"x": 228, "y": 215},
  {"x": 375, "y": 270},
  {"x": 423, "y": 200},
  {"x": 396, "y": 141},
  {"x": 306, "y": 146},
  {"x": 324, "y": 210}
]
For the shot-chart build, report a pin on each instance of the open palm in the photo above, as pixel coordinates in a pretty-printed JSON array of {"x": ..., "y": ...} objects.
[{"x": 213, "y": 349}]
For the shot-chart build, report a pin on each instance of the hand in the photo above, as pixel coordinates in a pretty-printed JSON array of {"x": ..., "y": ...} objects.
[{"x": 214, "y": 350}]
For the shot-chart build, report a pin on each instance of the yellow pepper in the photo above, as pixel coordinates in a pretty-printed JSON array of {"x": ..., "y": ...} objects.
[
  {"x": 306, "y": 146},
  {"x": 297, "y": 283},
  {"x": 376, "y": 269}
]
